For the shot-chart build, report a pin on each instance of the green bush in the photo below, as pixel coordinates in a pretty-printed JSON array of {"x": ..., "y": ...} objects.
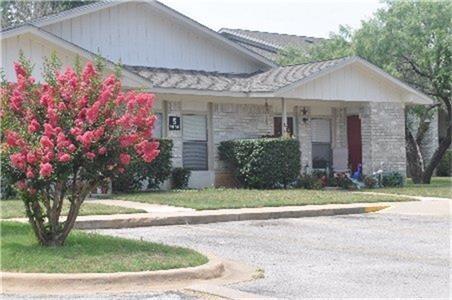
[
  {"x": 370, "y": 182},
  {"x": 344, "y": 182},
  {"x": 179, "y": 178},
  {"x": 445, "y": 165},
  {"x": 392, "y": 179},
  {"x": 263, "y": 163},
  {"x": 154, "y": 173},
  {"x": 309, "y": 182}
]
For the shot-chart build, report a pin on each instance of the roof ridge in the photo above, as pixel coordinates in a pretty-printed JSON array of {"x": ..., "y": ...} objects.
[
  {"x": 194, "y": 71},
  {"x": 268, "y": 32},
  {"x": 322, "y": 60}
]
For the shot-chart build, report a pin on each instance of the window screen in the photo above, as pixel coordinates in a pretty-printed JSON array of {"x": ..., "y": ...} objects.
[
  {"x": 157, "y": 132},
  {"x": 194, "y": 135},
  {"x": 321, "y": 143}
]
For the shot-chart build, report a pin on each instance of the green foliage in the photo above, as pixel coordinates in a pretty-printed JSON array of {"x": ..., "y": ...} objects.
[
  {"x": 17, "y": 12},
  {"x": 263, "y": 163},
  {"x": 309, "y": 182},
  {"x": 370, "y": 182},
  {"x": 338, "y": 45},
  {"x": 393, "y": 179},
  {"x": 138, "y": 171},
  {"x": 179, "y": 178},
  {"x": 344, "y": 182},
  {"x": 445, "y": 165}
]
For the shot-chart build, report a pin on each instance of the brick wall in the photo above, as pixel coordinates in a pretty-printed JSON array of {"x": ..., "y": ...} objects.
[{"x": 383, "y": 137}]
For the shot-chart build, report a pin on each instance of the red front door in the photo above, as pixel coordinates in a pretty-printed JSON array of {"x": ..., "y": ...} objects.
[{"x": 354, "y": 142}]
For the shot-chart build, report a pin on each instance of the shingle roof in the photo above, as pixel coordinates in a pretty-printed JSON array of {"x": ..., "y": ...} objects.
[
  {"x": 267, "y": 81},
  {"x": 267, "y": 43}
]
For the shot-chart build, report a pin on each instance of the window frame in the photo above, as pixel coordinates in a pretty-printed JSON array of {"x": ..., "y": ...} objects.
[
  {"x": 205, "y": 142},
  {"x": 330, "y": 143}
]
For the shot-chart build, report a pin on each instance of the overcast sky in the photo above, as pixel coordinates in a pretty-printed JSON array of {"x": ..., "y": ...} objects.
[{"x": 302, "y": 17}]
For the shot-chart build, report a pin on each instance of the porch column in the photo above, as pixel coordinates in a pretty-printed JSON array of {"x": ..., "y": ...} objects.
[
  {"x": 284, "y": 131},
  {"x": 304, "y": 136}
]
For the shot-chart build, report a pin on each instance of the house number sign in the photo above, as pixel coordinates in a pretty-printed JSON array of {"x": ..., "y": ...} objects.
[{"x": 174, "y": 123}]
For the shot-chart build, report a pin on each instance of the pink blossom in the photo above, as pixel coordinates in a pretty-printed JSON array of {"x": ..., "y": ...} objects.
[
  {"x": 31, "y": 158},
  {"x": 46, "y": 169},
  {"x": 64, "y": 157},
  {"x": 124, "y": 158},
  {"x": 102, "y": 150},
  {"x": 33, "y": 126},
  {"x": 90, "y": 155},
  {"x": 46, "y": 142},
  {"x": 30, "y": 173},
  {"x": 18, "y": 160}
]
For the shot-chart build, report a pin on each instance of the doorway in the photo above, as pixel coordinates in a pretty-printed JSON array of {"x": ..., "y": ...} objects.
[{"x": 354, "y": 142}]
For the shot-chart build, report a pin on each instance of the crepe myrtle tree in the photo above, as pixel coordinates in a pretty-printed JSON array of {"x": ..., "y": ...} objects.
[{"x": 63, "y": 137}]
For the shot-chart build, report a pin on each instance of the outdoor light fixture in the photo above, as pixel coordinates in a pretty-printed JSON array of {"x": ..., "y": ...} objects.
[{"x": 304, "y": 112}]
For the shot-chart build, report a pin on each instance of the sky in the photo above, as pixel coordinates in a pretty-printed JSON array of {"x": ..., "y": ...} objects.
[{"x": 301, "y": 17}]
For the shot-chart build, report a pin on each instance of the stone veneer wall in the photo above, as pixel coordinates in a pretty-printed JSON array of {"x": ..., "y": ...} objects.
[
  {"x": 234, "y": 121},
  {"x": 304, "y": 137},
  {"x": 383, "y": 137}
]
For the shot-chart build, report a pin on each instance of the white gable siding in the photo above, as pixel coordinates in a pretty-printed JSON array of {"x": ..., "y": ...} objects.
[
  {"x": 37, "y": 49},
  {"x": 136, "y": 34},
  {"x": 351, "y": 83}
]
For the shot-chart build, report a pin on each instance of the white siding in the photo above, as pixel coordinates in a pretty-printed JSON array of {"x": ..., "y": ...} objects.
[
  {"x": 37, "y": 49},
  {"x": 351, "y": 83},
  {"x": 136, "y": 34}
]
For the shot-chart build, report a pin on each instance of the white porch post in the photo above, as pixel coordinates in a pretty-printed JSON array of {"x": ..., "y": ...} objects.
[{"x": 284, "y": 131}]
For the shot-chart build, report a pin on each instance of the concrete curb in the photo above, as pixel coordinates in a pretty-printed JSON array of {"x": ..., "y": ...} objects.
[
  {"x": 49, "y": 283},
  {"x": 216, "y": 216}
]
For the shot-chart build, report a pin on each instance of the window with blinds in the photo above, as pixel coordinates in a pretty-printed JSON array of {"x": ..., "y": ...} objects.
[
  {"x": 194, "y": 135},
  {"x": 321, "y": 143}
]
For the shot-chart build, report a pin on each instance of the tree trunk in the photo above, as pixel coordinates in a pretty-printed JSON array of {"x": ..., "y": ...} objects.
[
  {"x": 437, "y": 156},
  {"x": 48, "y": 228},
  {"x": 414, "y": 157}
]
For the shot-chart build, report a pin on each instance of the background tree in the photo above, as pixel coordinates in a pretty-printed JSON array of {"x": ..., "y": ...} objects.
[
  {"x": 20, "y": 11},
  {"x": 62, "y": 138},
  {"x": 410, "y": 40}
]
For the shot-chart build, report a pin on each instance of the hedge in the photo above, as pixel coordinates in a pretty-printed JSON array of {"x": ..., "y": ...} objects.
[
  {"x": 262, "y": 163},
  {"x": 154, "y": 173}
]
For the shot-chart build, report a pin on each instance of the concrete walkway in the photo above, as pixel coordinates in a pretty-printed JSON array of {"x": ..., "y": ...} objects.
[{"x": 150, "y": 208}]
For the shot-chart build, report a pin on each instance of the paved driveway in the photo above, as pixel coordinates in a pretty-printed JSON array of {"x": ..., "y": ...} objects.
[{"x": 371, "y": 255}]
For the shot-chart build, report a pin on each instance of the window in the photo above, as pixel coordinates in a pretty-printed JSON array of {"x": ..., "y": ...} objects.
[
  {"x": 321, "y": 143},
  {"x": 194, "y": 135},
  {"x": 277, "y": 126},
  {"x": 157, "y": 132}
]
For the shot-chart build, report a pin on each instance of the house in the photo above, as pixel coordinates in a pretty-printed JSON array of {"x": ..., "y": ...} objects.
[{"x": 212, "y": 86}]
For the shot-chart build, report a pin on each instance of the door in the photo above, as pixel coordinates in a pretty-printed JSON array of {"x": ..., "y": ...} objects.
[{"x": 354, "y": 142}]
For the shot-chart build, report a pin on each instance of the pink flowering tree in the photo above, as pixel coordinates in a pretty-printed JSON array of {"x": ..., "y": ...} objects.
[{"x": 63, "y": 137}]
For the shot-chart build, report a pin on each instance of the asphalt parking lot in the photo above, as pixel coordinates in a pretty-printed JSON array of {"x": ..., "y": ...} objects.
[{"x": 368, "y": 255}]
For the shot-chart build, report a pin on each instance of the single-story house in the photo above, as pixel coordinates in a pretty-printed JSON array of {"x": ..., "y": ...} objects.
[{"x": 214, "y": 86}]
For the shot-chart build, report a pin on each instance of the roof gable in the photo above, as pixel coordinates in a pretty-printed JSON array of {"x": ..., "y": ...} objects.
[{"x": 151, "y": 34}]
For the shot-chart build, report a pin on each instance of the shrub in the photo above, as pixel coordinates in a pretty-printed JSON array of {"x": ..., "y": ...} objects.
[
  {"x": 445, "y": 165},
  {"x": 154, "y": 173},
  {"x": 309, "y": 182},
  {"x": 262, "y": 163},
  {"x": 392, "y": 179},
  {"x": 344, "y": 182},
  {"x": 179, "y": 178},
  {"x": 370, "y": 182},
  {"x": 65, "y": 136}
]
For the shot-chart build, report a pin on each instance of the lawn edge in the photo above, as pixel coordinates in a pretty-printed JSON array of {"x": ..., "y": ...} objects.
[{"x": 55, "y": 283}]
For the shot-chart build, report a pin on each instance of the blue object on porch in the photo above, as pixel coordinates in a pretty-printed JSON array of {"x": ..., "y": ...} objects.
[{"x": 358, "y": 174}]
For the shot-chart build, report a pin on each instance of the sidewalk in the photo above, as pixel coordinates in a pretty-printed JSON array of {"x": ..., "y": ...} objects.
[{"x": 162, "y": 215}]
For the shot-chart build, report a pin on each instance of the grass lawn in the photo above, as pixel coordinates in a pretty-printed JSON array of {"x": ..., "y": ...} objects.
[
  {"x": 439, "y": 187},
  {"x": 87, "y": 252},
  {"x": 238, "y": 198},
  {"x": 15, "y": 209}
]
